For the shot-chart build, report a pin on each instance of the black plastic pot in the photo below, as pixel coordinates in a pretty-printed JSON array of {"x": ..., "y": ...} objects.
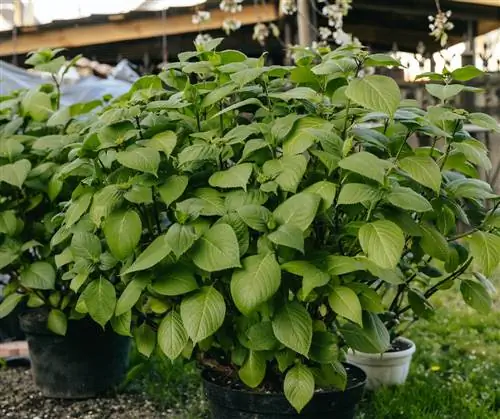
[
  {"x": 86, "y": 362},
  {"x": 228, "y": 403}
]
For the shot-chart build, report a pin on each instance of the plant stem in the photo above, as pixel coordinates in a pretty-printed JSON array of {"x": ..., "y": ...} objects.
[
  {"x": 58, "y": 88},
  {"x": 347, "y": 107},
  {"x": 156, "y": 213}
]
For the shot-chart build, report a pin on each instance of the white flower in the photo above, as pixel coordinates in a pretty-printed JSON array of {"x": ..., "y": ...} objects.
[
  {"x": 260, "y": 33},
  {"x": 231, "y": 6},
  {"x": 202, "y": 39},
  {"x": 274, "y": 30},
  {"x": 439, "y": 25},
  {"x": 325, "y": 33},
  {"x": 200, "y": 16},
  {"x": 230, "y": 25},
  {"x": 289, "y": 7}
]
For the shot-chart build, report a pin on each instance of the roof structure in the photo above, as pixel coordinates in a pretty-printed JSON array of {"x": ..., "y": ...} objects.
[{"x": 377, "y": 23}]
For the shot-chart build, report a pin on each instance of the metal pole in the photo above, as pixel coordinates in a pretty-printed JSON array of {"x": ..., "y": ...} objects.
[
  {"x": 164, "y": 37},
  {"x": 303, "y": 22}
]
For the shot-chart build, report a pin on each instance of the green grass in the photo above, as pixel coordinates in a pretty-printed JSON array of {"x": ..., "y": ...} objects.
[{"x": 455, "y": 373}]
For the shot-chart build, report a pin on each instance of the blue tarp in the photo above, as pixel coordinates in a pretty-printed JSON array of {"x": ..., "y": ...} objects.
[{"x": 82, "y": 90}]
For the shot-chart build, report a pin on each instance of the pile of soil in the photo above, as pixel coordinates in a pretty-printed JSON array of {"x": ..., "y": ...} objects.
[{"x": 20, "y": 399}]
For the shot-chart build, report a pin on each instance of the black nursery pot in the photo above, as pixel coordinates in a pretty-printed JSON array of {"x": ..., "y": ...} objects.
[
  {"x": 228, "y": 403},
  {"x": 86, "y": 362}
]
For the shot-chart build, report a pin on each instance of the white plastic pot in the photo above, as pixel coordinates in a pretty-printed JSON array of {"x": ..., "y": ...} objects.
[{"x": 387, "y": 369}]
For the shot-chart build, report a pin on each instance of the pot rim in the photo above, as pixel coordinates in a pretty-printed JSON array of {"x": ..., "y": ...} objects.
[
  {"x": 360, "y": 383},
  {"x": 387, "y": 355}
]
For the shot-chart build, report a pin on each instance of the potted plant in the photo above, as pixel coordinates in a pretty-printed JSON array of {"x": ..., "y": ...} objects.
[
  {"x": 452, "y": 240},
  {"x": 70, "y": 359}
]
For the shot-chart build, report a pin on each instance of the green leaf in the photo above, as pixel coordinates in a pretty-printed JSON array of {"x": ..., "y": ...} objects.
[
  {"x": 173, "y": 188},
  {"x": 39, "y": 276},
  {"x": 256, "y": 217},
  {"x": 444, "y": 92},
  {"x": 261, "y": 337},
  {"x": 180, "y": 238},
  {"x": 424, "y": 170},
  {"x": 466, "y": 73},
  {"x": 476, "y": 295},
  {"x": 381, "y": 60},
  {"x": 298, "y": 210},
  {"x": 152, "y": 255},
  {"x": 164, "y": 142},
  {"x": 286, "y": 171},
  {"x": 246, "y": 76},
  {"x": 288, "y": 235},
  {"x": 241, "y": 104},
  {"x": 100, "y": 298},
  {"x": 299, "y": 386},
  {"x": 485, "y": 121},
  {"x": 131, "y": 294},
  {"x": 345, "y": 303},
  {"x": 218, "y": 94},
  {"x": 373, "y": 337},
  {"x": 304, "y": 93},
  {"x": 332, "y": 375},
  {"x": 312, "y": 277},
  {"x": 292, "y": 326},
  {"x": 105, "y": 202},
  {"x": 122, "y": 231},
  {"x": 203, "y": 313},
  {"x": 377, "y": 93},
  {"x": 485, "y": 249},
  {"x": 57, "y": 322},
  {"x": 77, "y": 209},
  {"x": 172, "y": 337},
  {"x": 37, "y": 105},
  {"x": 234, "y": 177},
  {"x": 8, "y": 222},
  {"x": 141, "y": 158},
  {"x": 139, "y": 194},
  {"x": 9, "y": 303},
  {"x": 256, "y": 282},
  {"x": 16, "y": 173},
  {"x": 326, "y": 190},
  {"x": 324, "y": 348},
  {"x": 86, "y": 246},
  {"x": 121, "y": 324},
  {"x": 474, "y": 151},
  {"x": 303, "y": 135},
  {"x": 371, "y": 301},
  {"x": 253, "y": 370},
  {"x": 408, "y": 199},
  {"x": 419, "y": 304},
  {"x": 217, "y": 249},
  {"x": 366, "y": 164},
  {"x": 145, "y": 339},
  {"x": 251, "y": 146},
  {"x": 10, "y": 148},
  {"x": 355, "y": 193},
  {"x": 176, "y": 281},
  {"x": 434, "y": 243},
  {"x": 382, "y": 242}
]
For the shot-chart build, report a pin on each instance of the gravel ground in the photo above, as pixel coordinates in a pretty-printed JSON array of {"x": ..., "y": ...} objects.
[{"x": 20, "y": 399}]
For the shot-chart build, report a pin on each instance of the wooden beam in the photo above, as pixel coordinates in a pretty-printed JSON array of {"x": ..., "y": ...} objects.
[
  {"x": 94, "y": 34},
  {"x": 493, "y": 3}
]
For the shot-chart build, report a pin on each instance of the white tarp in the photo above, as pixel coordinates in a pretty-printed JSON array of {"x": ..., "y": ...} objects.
[{"x": 74, "y": 89}]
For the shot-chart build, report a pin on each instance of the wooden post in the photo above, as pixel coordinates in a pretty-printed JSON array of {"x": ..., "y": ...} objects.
[{"x": 303, "y": 22}]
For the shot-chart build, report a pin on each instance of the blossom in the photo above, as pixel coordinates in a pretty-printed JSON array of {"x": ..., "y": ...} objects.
[
  {"x": 200, "y": 16},
  {"x": 289, "y": 7},
  {"x": 439, "y": 25},
  {"x": 260, "y": 33},
  {"x": 202, "y": 39},
  {"x": 230, "y": 25},
  {"x": 231, "y": 6}
]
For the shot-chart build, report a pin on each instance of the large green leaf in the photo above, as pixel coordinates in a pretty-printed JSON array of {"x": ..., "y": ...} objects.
[
  {"x": 145, "y": 339},
  {"x": 288, "y": 235},
  {"x": 143, "y": 159},
  {"x": 444, "y": 92},
  {"x": 10, "y": 148},
  {"x": 37, "y": 105},
  {"x": 173, "y": 188},
  {"x": 180, "y": 238},
  {"x": 373, "y": 337},
  {"x": 217, "y": 249},
  {"x": 164, "y": 141},
  {"x": 312, "y": 277},
  {"x": 366, "y": 164},
  {"x": 105, "y": 202},
  {"x": 287, "y": 171},
  {"x": 298, "y": 210},
  {"x": 256, "y": 282},
  {"x": 100, "y": 298},
  {"x": 341, "y": 265},
  {"x": 131, "y": 294},
  {"x": 77, "y": 209},
  {"x": 299, "y": 386},
  {"x": 86, "y": 245},
  {"x": 408, "y": 199},
  {"x": 8, "y": 222},
  {"x": 378, "y": 93},
  {"x": 345, "y": 302},
  {"x": 476, "y": 295},
  {"x": 434, "y": 243},
  {"x": 485, "y": 249},
  {"x": 355, "y": 193},
  {"x": 383, "y": 243},
  {"x": 292, "y": 326},
  {"x": 16, "y": 173},
  {"x": 122, "y": 231},
  {"x": 176, "y": 281},
  {"x": 203, "y": 313},
  {"x": 302, "y": 136},
  {"x": 121, "y": 324},
  {"x": 324, "y": 189},
  {"x": 484, "y": 120},
  {"x": 234, "y": 177},
  {"x": 9, "y": 303},
  {"x": 261, "y": 337},
  {"x": 172, "y": 337},
  {"x": 39, "y": 275},
  {"x": 218, "y": 94},
  {"x": 253, "y": 371},
  {"x": 256, "y": 217},
  {"x": 422, "y": 169},
  {"x": 152, "y": 255},
  {"x": 324, "y": 347}
]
